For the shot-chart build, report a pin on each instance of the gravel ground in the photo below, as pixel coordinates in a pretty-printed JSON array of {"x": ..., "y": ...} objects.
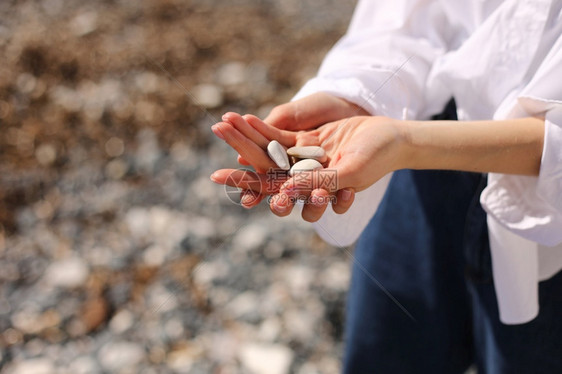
[{"x": 117, "y": 254}]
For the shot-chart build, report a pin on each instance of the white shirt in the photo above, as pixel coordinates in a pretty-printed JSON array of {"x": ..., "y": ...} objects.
[{"x": 498, "y": 59}]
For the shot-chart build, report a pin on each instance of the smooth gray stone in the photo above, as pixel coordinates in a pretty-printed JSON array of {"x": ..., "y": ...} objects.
[
  {"x": 305, "y": 165},
  {"x": 278, "y": 154},
  {"x": 311, "y": 151}
]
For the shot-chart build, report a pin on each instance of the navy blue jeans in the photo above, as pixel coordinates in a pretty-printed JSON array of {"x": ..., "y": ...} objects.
[{"x": 427, "y": 245}]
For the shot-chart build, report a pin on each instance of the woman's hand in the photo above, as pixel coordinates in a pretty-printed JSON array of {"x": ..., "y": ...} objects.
[
  {"x": 308, "y": 113},
  {"x": 360, "y": 151}
]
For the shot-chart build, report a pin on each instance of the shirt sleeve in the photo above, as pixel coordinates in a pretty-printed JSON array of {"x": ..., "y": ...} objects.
[
  {"x": 382, "y": 62},
  {"x": 528, "y": 206}
]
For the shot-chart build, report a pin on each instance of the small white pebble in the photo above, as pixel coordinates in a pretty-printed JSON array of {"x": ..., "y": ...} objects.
[
  {"x": 312, "y": 151},
  {"x": 305, "y": 165},
  {"x": 278, "y": 154}
]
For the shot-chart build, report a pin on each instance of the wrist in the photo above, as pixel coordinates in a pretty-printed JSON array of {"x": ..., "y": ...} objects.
[
  {"x": 430, "y": 144},
  {"x": 406, "y": 152}
]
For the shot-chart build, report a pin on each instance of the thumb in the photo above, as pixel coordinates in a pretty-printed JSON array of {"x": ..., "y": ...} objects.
[
  {"x": 306, "y": 113},
  {"x": 282, "y": 117}
]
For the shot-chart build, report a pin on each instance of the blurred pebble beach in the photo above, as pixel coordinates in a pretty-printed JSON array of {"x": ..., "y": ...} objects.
[{"x": 117, "y": 253}]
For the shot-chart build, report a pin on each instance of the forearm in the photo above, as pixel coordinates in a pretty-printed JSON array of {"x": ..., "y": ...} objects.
[{"x": 507, "y": 146}]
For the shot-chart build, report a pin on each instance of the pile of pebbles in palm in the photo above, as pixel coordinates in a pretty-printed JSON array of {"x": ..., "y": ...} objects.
[{"x": 296, "y": 159}]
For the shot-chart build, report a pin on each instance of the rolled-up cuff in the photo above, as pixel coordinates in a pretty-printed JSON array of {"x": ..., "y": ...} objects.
[
  {"x": 531, "y": 207},
  {"x": 550, "y": 178},
  {"x": 390, "y": 99}
]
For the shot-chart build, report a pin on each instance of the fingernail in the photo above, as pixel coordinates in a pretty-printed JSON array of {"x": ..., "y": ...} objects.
[
  {"x": 346, "y": 195},
  {"x": 278, "y": 206},
  {"x": 216, "y": 130},
  {"x": 247, "y": 200},
  {"x": 314, "y": 200},
  {"x": 214, "y": 177}
]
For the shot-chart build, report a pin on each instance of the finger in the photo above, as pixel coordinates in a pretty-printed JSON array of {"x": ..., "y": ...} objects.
[
  {"x": 344, "y": 199},
  {"x": 249, "y": 198},
  {"x": 250, "y": 132},
  {"x": 242, "y": 161},
  {"x": 249, "y": 180},
  {"x": 297, "y": 189},
  {"x": 301, "y": 114},
  {"x": 281, "y": 205},
  {"x": 312, "y": 111},
  {"x": 282, "y": 116},
  {"x": 249, "y": 150},
  {"x": 309, "y": 180},
  {"x": 287, "y": 138},
  {"x": 307, "y": 138},
  {"x": 316, "y": 205}
]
